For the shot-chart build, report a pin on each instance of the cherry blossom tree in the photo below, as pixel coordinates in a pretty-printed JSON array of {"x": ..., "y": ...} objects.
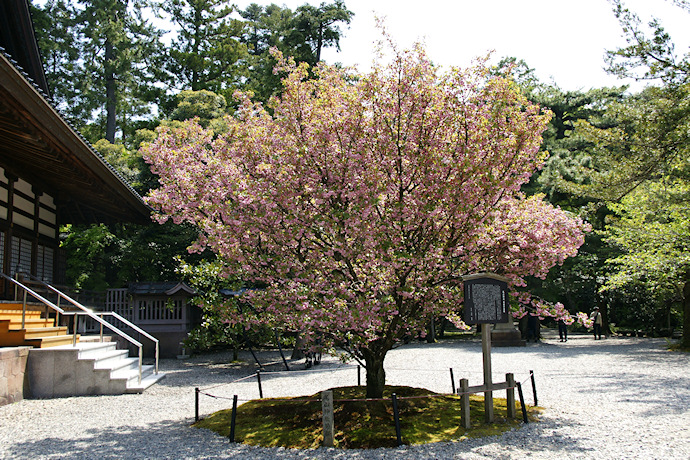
[{"x": 359, "y": 201}]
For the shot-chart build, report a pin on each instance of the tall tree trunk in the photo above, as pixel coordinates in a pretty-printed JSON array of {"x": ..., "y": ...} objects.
[
  {"x": 300, "y": 344},
  {"x": 110, "y": 105},
  {"x": 685, "y": 340},
  {"x": 319, "y": 43},
  {"x": 376, "y": 375}
]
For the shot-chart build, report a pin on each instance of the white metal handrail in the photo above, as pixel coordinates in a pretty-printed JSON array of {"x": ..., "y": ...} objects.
[
  {"x": 133, "y": 326},
  {"x": 90, "y": 314},
  {"x": 102, "y": 322},
  {"x": 33, "y": 293}
]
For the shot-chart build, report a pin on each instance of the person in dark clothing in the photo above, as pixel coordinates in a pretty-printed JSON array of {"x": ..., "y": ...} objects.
[
  {"x": 597, "y": 322},
  {"x": 532, "y": 327},
  {"x": 562, "y": 330}
]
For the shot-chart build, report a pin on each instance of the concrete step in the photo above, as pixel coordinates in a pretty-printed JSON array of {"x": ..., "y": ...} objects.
[
  {"x": 123, "y": 367},
  {"x": 110, "y": 359},
  {"x": 93, "y": 350},
  {"x": 96, "y": 339},
  {"x": 146, "y": 382},
  {"x": 87, "y": 369}
]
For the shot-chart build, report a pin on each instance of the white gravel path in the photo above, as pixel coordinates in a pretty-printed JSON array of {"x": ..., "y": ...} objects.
[{"x": 619, "y": 398}]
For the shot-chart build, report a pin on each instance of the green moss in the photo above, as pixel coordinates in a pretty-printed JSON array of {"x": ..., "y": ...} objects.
[{"x": 296, "y": 423}]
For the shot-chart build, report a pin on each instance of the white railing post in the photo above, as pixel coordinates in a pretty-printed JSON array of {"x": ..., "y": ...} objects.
[
  {"x": 75, "y": 323},
  {"x": 24, "y": 310},
  {"x": 140, "y": 361}
]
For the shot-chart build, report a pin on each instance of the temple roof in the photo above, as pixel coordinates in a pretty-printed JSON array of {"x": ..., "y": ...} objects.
[{"x": 40, "y": 146}]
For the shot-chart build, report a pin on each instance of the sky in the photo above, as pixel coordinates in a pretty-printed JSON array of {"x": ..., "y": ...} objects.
[{"x": 563, "y": 40}]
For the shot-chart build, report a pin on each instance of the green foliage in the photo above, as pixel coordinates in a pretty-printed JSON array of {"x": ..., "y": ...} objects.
[
  {"x": 576, "y": 283},
  {"x": 315, "y": 28},
  {"x": 207, "y": 52},
  {"x": 101, "y": 257},
  {"x": 215, "y": 331},
  {"x": 55, "y": 25},
  {"x": 301, "y": 34},
  {"x": 647, "y": 57},
  {"x": 203, "y": 105},
  {"x": 211, "y": 334},
  {"x": 127, "y": 163},
  {"x": 360, "y": 425},
  {"x": 86, "y": 254},
  {"x": 101, "y": 60}
]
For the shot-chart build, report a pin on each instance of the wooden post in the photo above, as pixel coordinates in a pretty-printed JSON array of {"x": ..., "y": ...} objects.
[
  {"x": 464, "y": 404},
  {"x": 452, "y": 380},
  {"x": 196, "y": 404},
  {"x": 327, "y": 416},
  {"x": 233, "y": 418},
  {"x": 396, "y": 416},
  {"x": 486, "y": 355},
  {"x": 522, "y": 403},
  {"x": 510, "y": 395},
  {"x": 258, "y": 379},
  {"x": 534, "y": 388}
]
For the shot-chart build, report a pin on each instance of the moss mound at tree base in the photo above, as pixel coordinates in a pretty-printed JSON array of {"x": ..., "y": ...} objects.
[{"x": 295, "y": 423}]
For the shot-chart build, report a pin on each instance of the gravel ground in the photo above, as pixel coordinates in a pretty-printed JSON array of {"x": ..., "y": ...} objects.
[{"x": 618, "y": 398}]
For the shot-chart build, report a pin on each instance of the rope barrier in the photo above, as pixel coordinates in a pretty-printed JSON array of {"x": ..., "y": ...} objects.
[
  {"x": 439, "y": 395},
  {"x": 345, "y": 367},
  {"x": 341, "y": 367},
  {"x": 229, "y": 383},
  {"x": 462, "y": 395}
]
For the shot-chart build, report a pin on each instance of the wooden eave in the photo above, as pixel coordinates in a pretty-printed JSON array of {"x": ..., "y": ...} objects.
[
  {"x": 19, "y": 39},
  {"x": 37, "y": 144}
]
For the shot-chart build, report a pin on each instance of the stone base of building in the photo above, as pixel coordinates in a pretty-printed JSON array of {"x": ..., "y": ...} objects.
[{"x": 13, "y": 382}]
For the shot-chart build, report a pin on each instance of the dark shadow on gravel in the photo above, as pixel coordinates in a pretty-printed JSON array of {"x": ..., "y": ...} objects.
[
  {"x": 134, "y": 442},
  {"x": 153, "y": 442}
]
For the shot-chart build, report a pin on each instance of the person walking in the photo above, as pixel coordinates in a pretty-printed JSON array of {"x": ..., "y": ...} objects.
[
  {"x": 597, "y": 322},
  {"x": 562, "y": 330}
]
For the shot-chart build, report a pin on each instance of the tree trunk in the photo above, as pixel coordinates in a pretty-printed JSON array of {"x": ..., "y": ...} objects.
[
  {"x": 376, "y": 375},
  {"x": 298, "y": 351},
  {"x": 685, "y": 340},
  {"x": 431, "y": 331},
  {"x": 110, "y": 103}
]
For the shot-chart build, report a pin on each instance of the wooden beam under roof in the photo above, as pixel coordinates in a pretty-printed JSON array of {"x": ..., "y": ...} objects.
[{"x": 38, "y": 144}]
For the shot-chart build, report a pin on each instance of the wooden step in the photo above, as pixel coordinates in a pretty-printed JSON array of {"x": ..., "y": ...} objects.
[
  {"x": 11, "y": 314},
  {"x": 16, "y": 323},
  {"x": 28, "y": 336},
  {"x": 53, "y": 341},
  {"x": 19, "y": 306},
  {"x": 38, "y": 332}
]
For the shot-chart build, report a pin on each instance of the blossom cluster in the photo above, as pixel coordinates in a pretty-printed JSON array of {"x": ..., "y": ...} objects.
[{"x": 557, "y": 311}]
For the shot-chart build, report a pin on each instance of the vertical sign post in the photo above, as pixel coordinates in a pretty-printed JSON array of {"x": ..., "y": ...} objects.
[
  {"x": 486, "y": 359},
  {"x": 486, "y": 303},
  {"x": 327, "y": 410}
]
